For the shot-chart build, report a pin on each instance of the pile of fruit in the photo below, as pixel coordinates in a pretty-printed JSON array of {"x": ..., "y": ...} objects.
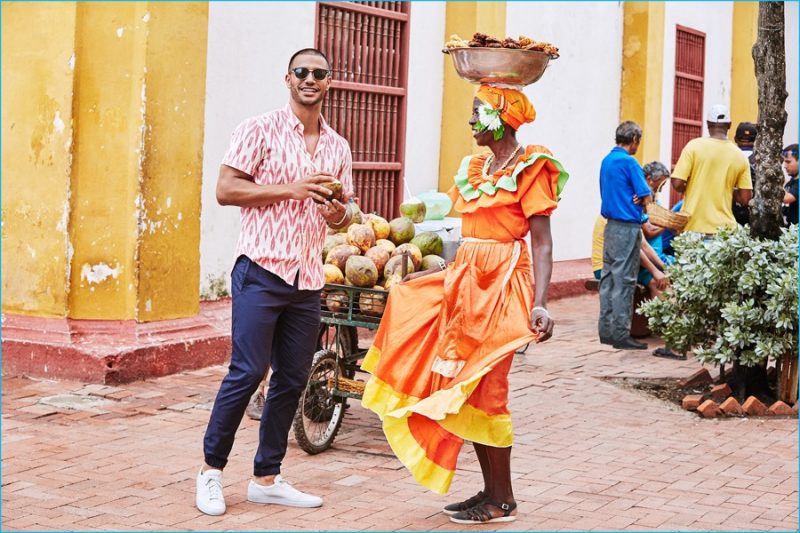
[
  {"x": 370, "y": 253},
  {"x": 481, "y": 40}
]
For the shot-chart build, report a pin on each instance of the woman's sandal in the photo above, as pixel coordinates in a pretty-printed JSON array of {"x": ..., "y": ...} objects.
[
  {"x": 454, "y": 508},
  {"x": 479, "y": 514},
  {"x": 666, "y": 353}
]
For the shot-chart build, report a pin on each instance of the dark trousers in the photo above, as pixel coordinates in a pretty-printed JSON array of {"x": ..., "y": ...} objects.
[
  {"x": 622, "y": 242},
  {"x": 273, "y": 324}
]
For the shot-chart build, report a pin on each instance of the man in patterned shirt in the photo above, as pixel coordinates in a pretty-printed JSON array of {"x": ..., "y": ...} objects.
[{"x": 275, "y": 170}]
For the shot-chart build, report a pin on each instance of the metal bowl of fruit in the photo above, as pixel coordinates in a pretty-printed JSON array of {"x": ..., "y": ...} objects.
[{"x": 499, "y": 66}]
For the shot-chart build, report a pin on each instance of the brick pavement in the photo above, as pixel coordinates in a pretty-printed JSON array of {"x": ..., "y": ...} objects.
[{"x": 588, "y": 455}]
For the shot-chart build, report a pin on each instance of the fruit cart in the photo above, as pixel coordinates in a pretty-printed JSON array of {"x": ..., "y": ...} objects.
[{"x": 332, "y": 379}]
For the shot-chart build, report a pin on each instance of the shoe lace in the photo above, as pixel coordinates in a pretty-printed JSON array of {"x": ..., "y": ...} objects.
[{"x": 214, "y": 486}]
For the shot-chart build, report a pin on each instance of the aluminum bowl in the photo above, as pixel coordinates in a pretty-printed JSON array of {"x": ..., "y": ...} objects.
[{"x": 505, "y": 66}]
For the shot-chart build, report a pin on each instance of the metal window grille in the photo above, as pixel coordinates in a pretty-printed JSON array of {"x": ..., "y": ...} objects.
[
  {"x": 687, "y": 114},
  {"x": 367, "y": 44}
]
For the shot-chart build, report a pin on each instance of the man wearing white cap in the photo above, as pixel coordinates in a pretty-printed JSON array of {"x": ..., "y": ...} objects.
[{"x": 711, "y": 172}]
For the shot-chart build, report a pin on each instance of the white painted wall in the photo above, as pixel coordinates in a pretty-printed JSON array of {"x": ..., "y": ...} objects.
[
  {"x": 249, "y": 46},
  {"x": 425, "y": 83},
  {"x": 577, "y": 104}
]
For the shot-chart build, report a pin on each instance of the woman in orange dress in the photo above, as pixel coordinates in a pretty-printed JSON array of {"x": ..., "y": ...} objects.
[{"x": 442, "y": 353}]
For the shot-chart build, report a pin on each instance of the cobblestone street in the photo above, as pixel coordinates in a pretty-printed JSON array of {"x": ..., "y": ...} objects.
[{"x": 588, "y": 455}]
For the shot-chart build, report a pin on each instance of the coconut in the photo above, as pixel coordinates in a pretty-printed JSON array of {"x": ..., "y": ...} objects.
[
  {"x": 429, "y": 243},
  {"x": 357, "y": 218},
  {"x": 401, "y": 230},
  {"x": 336, "y": 301},
  {"x": 380, "y": 226},
  {"x": 339, "y": 255},
  {"x": 335, "y": 187},
  {"x": 392, "y": 280},
  {"x": 394, "y": 267},
  {"x": 333, "y": 274},
  {"x": 330, "y": 242},
  {"x": 430, "y": 262},
  {"x": 372, "y": 303},
  {"x": 379, "y": 256},
  {"x": 386, "y": 244},
  {"x": 412, "y": 250},
  {"x": 361, "y": 236},
  {"x": 413, "y": 208},
  {"x": 361, "y": 271}
]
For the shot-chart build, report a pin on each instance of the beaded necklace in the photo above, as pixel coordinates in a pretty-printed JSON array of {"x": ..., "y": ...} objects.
[{"x": 490, "y": 159}]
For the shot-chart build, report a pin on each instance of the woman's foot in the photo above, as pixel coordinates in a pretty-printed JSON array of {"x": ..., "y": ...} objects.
[
  {"x": 454, "y": 508},
  {"x": 487, "y": 512}
]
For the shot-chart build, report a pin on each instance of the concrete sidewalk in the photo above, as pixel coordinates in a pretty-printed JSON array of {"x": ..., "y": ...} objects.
[{"x": 587, "y": 455}]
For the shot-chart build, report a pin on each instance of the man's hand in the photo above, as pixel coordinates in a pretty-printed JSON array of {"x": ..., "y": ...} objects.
[
  {"x": 311, "y": 187},
  {"x": 334, "y": 212},
  {"x": 542, "y": 323}
]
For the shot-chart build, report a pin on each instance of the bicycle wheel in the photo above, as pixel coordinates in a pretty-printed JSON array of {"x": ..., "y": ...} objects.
[
  {"x": 340, "y": 340},
  {"x": 319, "y": 414}
]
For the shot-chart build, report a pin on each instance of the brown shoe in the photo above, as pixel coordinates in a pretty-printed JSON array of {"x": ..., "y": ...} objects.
[{"x": 256, "y": 405}]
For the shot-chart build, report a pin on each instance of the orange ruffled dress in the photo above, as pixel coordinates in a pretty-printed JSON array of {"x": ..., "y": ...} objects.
[{"x": 443, "y": 350}]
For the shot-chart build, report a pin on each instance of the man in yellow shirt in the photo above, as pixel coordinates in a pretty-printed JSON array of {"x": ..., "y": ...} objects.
[{"x": 711, "y": 172}]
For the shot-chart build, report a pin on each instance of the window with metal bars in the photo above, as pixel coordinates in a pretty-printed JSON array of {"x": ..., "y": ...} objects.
[
  {"x": 367, "y": 45},
  {"x": 687, "y": 110}
]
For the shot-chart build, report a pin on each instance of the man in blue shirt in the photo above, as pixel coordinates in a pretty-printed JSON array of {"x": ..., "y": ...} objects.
[{"x": 621, "y": 179}]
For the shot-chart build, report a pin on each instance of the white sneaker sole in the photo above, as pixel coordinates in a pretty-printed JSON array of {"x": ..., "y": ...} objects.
[
  {"x": 215, "y": 512},
  {"x": 479, "y": 523},
  {"x": 282, "y": 501}
]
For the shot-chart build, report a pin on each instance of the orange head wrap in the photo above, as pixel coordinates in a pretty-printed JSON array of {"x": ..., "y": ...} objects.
[{"x": 514, "y": 107}]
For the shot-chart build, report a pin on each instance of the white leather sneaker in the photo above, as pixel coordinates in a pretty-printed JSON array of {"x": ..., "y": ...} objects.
[
  {"x": 281, "y": 492},
  {"x": 209, "y": 498}
]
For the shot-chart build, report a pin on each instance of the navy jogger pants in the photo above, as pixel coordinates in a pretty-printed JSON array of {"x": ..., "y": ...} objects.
[{"x": 273, "y": 324}]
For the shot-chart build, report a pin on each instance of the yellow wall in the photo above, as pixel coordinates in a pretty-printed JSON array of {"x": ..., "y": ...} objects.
[
  {"x": 133, "y": 182},
  {"x": 109, "y": 81},
  {"x": 464, "y": 19},
  {"x": 744, "y": 90},
  {"x": 37, "y": 130},
  {"x": 642, "y": 73},
  {"x": 169, "y": 253}
]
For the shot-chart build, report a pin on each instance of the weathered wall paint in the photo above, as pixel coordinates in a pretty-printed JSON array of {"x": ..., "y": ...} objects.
[
  {"x": 37, "y": 47},
  {"x": 169, "y": 248},
  {"x": 642, "y": 75},
  {"x": 101, "y": 210},
  {"x": 108, "y": 149}
]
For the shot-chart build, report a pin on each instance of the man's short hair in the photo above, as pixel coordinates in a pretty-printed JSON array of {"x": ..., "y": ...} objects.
[
  {"x": 746, "y": 132},
  {"x": 790, "y": 150},
  {"x": 655, "y": 169},
  {"x": 308, "y": 51},
  {"x": 628, "y": 132}
]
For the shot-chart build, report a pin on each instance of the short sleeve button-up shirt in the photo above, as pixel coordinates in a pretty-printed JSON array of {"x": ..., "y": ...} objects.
[{"x": 286, "y": 238}]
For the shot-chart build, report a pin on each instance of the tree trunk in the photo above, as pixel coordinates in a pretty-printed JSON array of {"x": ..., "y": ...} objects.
[{"x": 769, "y": 56}]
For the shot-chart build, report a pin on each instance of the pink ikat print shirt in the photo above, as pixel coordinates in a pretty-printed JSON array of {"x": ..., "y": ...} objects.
[{"x": 286, "y": 238}]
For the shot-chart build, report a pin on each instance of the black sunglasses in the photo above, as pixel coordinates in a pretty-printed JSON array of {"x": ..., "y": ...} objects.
[{"x": 319, "y": 73}]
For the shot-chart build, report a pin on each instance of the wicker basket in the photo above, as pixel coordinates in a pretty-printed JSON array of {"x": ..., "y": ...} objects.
[
  {"x": 347, "y": 385},
  {"x": 661, "y": 216}
]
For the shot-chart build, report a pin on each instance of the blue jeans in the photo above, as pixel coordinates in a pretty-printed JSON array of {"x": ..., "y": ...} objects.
[
  {"x": 621, "y": 244},
  {"x": 273, "y": 324}
]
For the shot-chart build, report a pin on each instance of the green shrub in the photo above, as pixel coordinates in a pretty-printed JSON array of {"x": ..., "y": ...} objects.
[{"x": 732, "y": 298}]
